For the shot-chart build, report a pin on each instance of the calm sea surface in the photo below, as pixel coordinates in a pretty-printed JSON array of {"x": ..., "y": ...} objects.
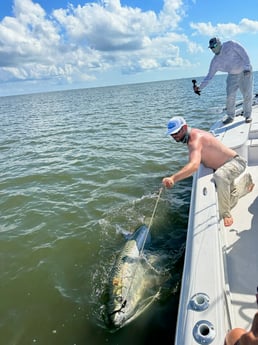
[{"x": 78, "y": 169}]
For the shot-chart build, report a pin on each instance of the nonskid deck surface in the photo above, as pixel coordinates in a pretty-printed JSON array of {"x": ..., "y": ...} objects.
[{"x": 241, "y": 241}]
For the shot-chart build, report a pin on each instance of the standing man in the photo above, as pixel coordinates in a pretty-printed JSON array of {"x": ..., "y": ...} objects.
[
  {"x": 204, "y": 148},
  {"x": 232, "y": 58}
]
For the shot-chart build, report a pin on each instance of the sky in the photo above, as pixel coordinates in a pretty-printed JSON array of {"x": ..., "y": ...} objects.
[{"x": 60, "y": 44}]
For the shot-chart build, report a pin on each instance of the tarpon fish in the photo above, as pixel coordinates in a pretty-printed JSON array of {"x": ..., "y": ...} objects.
[{"x": 130, "y": 280}]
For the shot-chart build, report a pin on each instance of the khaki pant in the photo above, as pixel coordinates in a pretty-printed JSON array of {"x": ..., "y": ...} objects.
[
  {"x": 244, "y": 82},
  {"x": 229, "y": 192}
]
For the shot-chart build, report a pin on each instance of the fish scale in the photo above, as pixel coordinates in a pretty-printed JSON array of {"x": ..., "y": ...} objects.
[{"x": 129, "y": 281}]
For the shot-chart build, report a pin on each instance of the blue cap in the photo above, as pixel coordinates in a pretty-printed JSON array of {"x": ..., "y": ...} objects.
[
  {"x": 175, "y": 124},
  {"x": 213, "y": 42}
]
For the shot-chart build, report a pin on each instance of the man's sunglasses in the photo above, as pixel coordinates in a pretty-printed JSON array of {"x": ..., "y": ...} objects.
[
  {"x": 213, "y": 46},
  {"x": 176, "y": 132}
]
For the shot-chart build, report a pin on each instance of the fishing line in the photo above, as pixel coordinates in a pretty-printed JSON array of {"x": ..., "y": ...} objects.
[
  {"x": 147, "y": 232},
  {"x": 152, "y": 217}
]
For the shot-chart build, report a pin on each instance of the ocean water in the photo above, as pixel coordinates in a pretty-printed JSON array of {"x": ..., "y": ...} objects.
[{"x": 79, "y": 169}]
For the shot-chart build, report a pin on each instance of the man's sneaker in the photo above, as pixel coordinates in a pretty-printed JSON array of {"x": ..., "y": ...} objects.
[
  {"x": 227, "y": 120},
  {"x": 248, "y": 119}
]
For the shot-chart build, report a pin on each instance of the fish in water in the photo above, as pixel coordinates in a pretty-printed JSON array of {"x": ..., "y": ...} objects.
[{"x": 131, "y": 281}]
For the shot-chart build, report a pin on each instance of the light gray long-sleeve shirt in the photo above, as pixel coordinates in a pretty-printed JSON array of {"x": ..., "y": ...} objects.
[{"x": 232, "y": 59}]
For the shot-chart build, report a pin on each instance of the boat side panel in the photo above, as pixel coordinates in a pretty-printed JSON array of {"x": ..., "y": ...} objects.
[{"x": 203, "y": 269}]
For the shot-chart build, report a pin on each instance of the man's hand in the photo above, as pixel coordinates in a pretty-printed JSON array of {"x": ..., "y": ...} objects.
[
  {"x": 168, "y": 182},
  {"x": 196, "y": 88}
]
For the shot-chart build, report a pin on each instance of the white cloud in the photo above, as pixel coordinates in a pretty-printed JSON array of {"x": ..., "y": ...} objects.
[
  {"x": 226, "y": 30},
  {"x": 250, "y": 26},
  {"x": 27, "y": 37},
  {"x": 107, "y": 28},
  {"x": 172, "y": 13},
  {"x": 77, "y": 42}
]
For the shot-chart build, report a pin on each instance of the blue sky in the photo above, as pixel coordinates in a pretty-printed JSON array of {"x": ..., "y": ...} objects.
[{"x": 56, "y": 45}]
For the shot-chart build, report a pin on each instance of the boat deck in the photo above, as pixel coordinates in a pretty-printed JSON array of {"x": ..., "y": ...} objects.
[
  {"x": 241, "y": 247},
  {"x": 241, "y": 242}
]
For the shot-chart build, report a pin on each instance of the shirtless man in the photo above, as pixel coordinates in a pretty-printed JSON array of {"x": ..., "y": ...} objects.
[{"x": 227, "y": 165}]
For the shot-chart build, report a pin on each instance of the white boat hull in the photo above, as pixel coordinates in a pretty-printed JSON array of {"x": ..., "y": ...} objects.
[{"x": 220, "y": 277}]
